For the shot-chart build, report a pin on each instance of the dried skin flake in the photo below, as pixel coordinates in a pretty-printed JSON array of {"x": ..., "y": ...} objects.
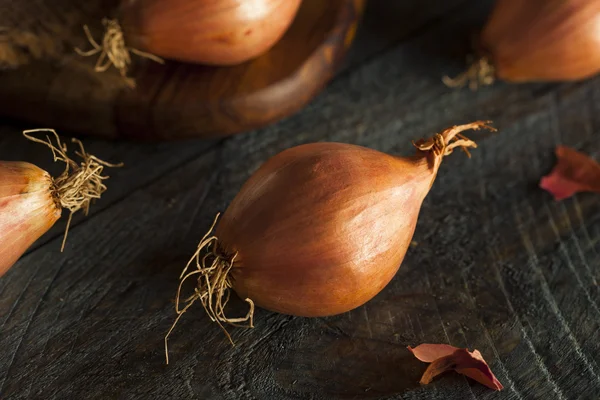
[
  {"x": 443, "y": 357},
  {"x": 574, "y": 172}
]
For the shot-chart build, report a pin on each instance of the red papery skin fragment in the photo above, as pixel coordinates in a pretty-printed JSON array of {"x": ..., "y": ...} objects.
[
  {"x": 443, "y": 357},
  {"x": 574, "y": 172}
]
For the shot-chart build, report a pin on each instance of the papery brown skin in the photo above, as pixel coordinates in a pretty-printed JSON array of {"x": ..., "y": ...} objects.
[
  {"x": 27, "y": 209},
  {"x": 297, "y": 258},
  {"x": 574, "y": 172},
  {"x": 214, "y": 32},
  {"x": 544, "y": 40},
  {"x": 443, "y": 358}
]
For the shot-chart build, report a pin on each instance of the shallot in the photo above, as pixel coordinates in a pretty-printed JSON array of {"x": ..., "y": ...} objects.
[
  {"x": 318, "y": 230},
  {"x": 213, "y": 32},
  {"x": 31, "y": 201},
  {"x": 537, "y": 40}
]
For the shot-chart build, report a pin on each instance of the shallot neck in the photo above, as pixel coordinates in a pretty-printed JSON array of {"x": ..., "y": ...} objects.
[{"x": 444, "y": 143}]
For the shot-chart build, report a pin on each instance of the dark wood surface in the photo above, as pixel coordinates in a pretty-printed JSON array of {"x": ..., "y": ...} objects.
[
  {"x": 177, "y": 100},
  {"x": 499, "y": 266}
]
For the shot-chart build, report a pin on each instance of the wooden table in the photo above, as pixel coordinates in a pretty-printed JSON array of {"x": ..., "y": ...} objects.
[{"x": 499, "y": 266}]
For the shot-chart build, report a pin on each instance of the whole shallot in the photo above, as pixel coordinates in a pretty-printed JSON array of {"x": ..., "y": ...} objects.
[{"x": 318, "y": 230}]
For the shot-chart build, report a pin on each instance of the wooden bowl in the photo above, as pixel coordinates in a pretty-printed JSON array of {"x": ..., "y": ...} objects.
[{"x": 176, "y": 100}]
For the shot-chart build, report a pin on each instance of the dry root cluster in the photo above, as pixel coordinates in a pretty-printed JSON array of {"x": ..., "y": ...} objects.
[
  {"x": 479, "y": 73},
  {"x": 79, "y": 184},
  {"x": 213, "y": 288},
  {"x": 113, "y": 50}
]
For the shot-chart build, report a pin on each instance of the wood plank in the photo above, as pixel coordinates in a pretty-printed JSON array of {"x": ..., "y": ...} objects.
[
  {"x": 499, "y": 265},
  {"x": 387, "y": 23}
]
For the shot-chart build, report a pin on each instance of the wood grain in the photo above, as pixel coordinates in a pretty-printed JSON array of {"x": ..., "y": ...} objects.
[
  {"x": 499, "y": 266},
  {"x": 177, "y": 100}
]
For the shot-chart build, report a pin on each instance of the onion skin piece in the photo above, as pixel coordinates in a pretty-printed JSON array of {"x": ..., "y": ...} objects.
[
  {"x": 443, "y": 358},
  {"x": 430, "y": 352},
  {"x": 543, "y": 40},
  {"x": 27, "y": 209},
  {"x": 354, "y": 208},
  {"x": 213, "y": 32},
  {"x": 574, "y": 172}
]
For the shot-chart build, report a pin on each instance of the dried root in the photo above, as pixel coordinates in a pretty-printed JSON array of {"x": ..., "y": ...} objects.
[
  {"x": 79, "y": 184},
  {"x": 214, "y": 286},
  {"x": 444, "y": 143},
  {"x": 114, "y": 50},
  {"x": 479, "y": 73}
]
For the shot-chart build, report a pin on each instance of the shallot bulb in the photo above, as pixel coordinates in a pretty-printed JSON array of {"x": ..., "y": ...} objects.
[
  {"x": 27, "y": 209},
  {"x": 31, "y": 201},
  {"x": 217, "y": 32},
  {"x": 537, "y": 40},
  {"x": 318, "y": 230},
  {"x": 213, "y": 32}
]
